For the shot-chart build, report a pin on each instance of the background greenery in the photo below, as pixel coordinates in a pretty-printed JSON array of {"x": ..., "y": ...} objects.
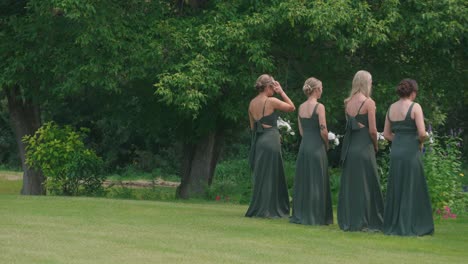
[{"x": 149, "y": 78}]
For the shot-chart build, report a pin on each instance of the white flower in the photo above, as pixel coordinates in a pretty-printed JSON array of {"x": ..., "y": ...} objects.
[
  {"x": 336, "y": 141},
  {"x": 284, "y": 124},
  {"x": 333, "y": 138},
  {"x": 380, "y": 136},
  {"x": 431, "y": 137}
]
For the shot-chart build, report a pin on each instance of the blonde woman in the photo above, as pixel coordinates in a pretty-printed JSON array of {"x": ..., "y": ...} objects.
[
  {"x": 360, "y": 203},
  {"x": 408, "y": 210},
  {"x": 270, "y": 193},
  {"x": 312, "y": 198}
]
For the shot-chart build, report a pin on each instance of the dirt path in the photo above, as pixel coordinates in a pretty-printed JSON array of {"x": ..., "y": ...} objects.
[
  {"x": 141, "y": 183},
  {"x": 11, "y": 176},
  {"x": 16, "y": 176}
]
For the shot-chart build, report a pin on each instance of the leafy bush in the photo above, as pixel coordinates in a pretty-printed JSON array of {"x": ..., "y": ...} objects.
[
  {"x": 153, "y": 194},
  {"x": 233, "y": 180},
  {"x": 383, "y": 163},
  {"x": 442, "y": 165},
  {"x": 335, "y": 177},
  {"x": 69, "y": 167}
]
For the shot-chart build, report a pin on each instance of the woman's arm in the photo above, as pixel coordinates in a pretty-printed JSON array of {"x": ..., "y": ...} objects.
[
  {"x": 251, "y": 120},
  {"x": 419, "y": 119},
  {"x": 372, "y": 123},
  {"x": 287, "y": 105},
  {"x": 323, "y": 124},
  {"x": 299, "y": 124},
  {"x": 388, "y": 135}
]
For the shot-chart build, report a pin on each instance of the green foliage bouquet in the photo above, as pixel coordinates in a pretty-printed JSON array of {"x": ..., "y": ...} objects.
[
  {"x": 381, "y": 141},
  {"x": 69, "y": 167}
]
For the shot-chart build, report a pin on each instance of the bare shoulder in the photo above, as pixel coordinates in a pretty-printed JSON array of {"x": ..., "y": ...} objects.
[
  {"x": 370, "y": 102},
  {"x": 251, "y": 104},
  {"x": 392, "y": 106},
  {"x": 274, "y": 100},
  {"x": 417, "y": 108},
  {"x": 302, "y": 105},
  {"x": 321, "y": 107},
  {"x": 369, "y": 105}
]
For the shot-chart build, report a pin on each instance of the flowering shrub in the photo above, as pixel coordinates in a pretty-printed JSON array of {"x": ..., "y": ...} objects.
[
  {"x": 442, "y": 165},
  {"x": 445, "y": 213}
]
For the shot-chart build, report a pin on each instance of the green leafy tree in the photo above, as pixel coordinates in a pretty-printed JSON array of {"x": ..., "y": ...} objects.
[
  {"x": 51, "y": 50},
  {"x": 216, "y": 52}
]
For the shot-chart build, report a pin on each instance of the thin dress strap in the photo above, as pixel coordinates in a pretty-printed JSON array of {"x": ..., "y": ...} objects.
[
  {"x": 359, "y": 110},
  {"x": 408, "y": 114},
  {"x": 263, "y": 113},
  {"x": 315, "y": 108}
]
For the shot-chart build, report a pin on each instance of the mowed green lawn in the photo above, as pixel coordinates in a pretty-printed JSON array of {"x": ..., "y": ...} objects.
[{"x": 93, "y": 230}]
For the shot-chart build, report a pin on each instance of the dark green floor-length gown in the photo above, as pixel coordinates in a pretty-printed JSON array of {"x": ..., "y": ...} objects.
[
  {"x": 312, "y": 198},
  {"x": 408, "y": 209},
  {"x": 360, "y": 202},
  {"x": 270, "y": 196}
]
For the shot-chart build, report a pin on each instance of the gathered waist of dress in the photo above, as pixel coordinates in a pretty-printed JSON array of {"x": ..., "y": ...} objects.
[
  {"x": 406, "y": 132},
  {"x": 273, "y": 128}
]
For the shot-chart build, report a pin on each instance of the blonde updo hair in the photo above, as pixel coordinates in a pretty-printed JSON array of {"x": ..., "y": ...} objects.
[
  {"x": 362, "y": 83},
  {"x": 310, "y": 85},
  {"x": 263, "y": 81}
]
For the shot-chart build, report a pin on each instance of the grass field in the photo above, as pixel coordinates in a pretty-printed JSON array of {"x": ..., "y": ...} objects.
[
  {"x": 92, "y": 230},
  {"x": 98, "y": 230}
]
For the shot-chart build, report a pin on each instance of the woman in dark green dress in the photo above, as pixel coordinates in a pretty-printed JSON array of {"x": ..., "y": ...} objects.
[
  {"x": 408, "y": 209},
  {"x": 360, "y": 202},
  {"x": 270, "y": 196},
  {"x": 312, "y": 198}
]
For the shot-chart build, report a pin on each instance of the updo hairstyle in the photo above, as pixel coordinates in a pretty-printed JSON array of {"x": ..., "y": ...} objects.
[
  {"x": 263, "y": 81},
  {"x": 406, "y": 87},
  {"x": 310, "y": 85}
]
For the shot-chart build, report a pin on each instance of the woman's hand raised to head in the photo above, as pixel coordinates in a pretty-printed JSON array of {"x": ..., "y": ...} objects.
[
  {"x": 277, "y": 88},
  {"x": 287, "y": 105}
]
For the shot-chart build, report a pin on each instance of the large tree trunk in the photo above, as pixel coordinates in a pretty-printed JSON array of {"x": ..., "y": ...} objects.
[
  {"x": 25, "y": 120},
  {"x": 198, "y": 166}
]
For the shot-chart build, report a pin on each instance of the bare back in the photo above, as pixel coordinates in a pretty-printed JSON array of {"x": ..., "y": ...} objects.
[
  {"x": 353, "y": 105},
  {"x": 399, "y": 109},
  {"x": 259, "y": 107},
  {"x": 306, "y": 109}
]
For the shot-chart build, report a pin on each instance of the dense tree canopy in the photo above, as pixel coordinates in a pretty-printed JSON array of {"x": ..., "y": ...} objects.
[{"x": 144, "y": 72}]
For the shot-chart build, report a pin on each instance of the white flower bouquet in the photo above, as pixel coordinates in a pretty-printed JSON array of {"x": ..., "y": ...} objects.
[
  {"x": 430, "y": 135},
  {"x": 284, "y": 126},
  {"x": 334, "y": 139},
  {"x": 381, "y": 141}
]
